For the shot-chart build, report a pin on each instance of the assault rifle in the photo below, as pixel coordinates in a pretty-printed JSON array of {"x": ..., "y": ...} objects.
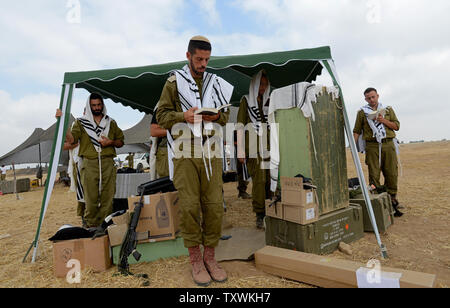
[{"x": 130, "y": 241}]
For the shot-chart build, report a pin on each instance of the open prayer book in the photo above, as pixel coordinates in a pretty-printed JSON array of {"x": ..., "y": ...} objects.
[
  {"x": 210, "y": 111},
  {"x": 374, "y": 114}
]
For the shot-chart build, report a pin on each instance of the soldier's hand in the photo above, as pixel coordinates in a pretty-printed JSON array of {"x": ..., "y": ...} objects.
[
  {"x": 105, "y": 142},
  {"x": 241, "y": 160},
  {"x": 58, "y": 113},
  {"x": 211, "y": 118},
  {"x": 190, "y": 116},
  {"x": 380, "y": 118}
]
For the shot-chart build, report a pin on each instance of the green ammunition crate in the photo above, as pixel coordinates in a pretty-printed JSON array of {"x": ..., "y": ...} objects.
[
  {"x": 321, "y": 237},
  {"x": 382, "y": 209},
  {"x": 154, "y": 251},
  {"x": 23, "y": 185}
]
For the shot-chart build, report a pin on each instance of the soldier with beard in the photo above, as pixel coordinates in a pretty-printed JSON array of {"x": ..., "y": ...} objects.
[{"x": 98, "y": 136}]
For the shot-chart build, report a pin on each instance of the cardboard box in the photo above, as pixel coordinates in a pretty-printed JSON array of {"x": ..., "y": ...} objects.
[
  {"x": 94, "y": 254},
  {"x": 159, "y": 217},
  {"x": 293, "y": 192},
  {"x": 302, "y": 215},
  {"x": 336, "y": 273},
  {"x": 276, "y": 210},
  {"x": 122, "y": 219},
  {"x": 116, "y": 234}
]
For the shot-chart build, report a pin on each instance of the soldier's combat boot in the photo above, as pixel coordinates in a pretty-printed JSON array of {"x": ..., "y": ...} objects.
[
  {"x": 244, "y": 195},
  {"x": 217, "y": 273},
  {"x": 199, "y": 272},
  {"x": 395, "y": 205},
  {"x": 260, "y": 220}
]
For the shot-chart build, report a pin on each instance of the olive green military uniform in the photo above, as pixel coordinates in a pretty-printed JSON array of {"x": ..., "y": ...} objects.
[
  {"x": 97, "y": 207},
  {"x": 130, "y": 159},
  {"x": 389, "y": 163},
  {"x": 198, "y": 196},
  {"x": 162, "y": 163},
  {"x": 260, "y": 177}
]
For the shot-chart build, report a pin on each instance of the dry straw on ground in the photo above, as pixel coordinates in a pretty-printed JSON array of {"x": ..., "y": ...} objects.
[{"x": 418, "y": 241}]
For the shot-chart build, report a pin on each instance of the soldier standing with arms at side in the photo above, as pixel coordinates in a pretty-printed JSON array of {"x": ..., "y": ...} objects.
[
  {"x": 254, "y": 109},
  {"x": 198, "y": 179}
]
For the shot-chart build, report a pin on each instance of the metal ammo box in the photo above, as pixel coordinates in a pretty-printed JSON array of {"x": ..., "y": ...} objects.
[
  {"x": 321, "y": 237},
  {"x": 382, "y": 209}
]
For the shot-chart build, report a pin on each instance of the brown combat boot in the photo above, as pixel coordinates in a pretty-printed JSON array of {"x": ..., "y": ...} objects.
[
  {"x": 217, "y": 273},
  {"x": 199, "y": 272}
]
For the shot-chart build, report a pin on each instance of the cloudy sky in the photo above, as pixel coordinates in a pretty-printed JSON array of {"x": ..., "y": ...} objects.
[{"x": 401, "y": 47}]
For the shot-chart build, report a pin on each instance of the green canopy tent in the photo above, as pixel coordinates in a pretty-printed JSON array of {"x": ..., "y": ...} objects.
[{"x": 140, "y": 88}]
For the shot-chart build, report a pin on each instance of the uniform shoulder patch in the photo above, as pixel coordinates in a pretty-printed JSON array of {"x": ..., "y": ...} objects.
[{"x": 172, "y": 78}]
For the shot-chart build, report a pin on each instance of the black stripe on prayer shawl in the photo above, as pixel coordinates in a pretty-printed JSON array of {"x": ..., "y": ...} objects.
[
  {"x": 80, "y": 191},
  {"x": 222, "y": 102},
  {"x": 256, "y": 113},
  {"x": 294, "y": 95},
  {"x": 206, "y": 82},
  {"x": 182, "y": 74},
  {"x": 305, "y": 94},
  {"x": 86, "y": 123},
  {"x": 184, "y": 102},
  {"x": 221, "y": 96}
]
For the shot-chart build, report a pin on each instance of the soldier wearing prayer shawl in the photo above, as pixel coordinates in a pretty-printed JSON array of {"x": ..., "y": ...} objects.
[
  {"x": 253, "y": 110},
  {"x": 197, "y": 175},
  {"x": 376, "y": 137},
  {"x": 98, "y": 136}
]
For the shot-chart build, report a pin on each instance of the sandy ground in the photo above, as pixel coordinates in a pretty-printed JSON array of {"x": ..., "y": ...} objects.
[{"x": 419, "y": 241}]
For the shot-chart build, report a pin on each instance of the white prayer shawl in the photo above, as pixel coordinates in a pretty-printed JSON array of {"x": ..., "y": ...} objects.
[
  {"x": 252, "y": 103},
  {"x": 95, "y": 132},
  {"x": 378, "y": 129},
  {"x": 300, "y": 95},
  {"x": 153, "y": 150},
  {"x": 379, "y": 132},
  {"x": 216, "y": 92},
  {"x": 77, "y": 162}
]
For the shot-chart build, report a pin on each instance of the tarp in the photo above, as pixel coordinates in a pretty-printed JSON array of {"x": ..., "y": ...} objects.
[
  {"x": 140, "y": 88},
  {"x": 36, "y": 148}
]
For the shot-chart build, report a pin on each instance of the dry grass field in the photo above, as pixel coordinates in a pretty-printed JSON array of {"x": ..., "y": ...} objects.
[{"x": 419, "y": 241}]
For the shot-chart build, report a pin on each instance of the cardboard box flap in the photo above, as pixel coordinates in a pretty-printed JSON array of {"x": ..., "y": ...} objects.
[
  {"x": 122, "y": 219},
  {"x": 288, "y": 183}
]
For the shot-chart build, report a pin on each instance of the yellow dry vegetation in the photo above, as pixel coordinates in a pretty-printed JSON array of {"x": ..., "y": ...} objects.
[{"x": 418, "y": 241}]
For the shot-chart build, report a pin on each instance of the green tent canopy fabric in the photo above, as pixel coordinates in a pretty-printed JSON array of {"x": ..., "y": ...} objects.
[{"x": 140, "y": 87}]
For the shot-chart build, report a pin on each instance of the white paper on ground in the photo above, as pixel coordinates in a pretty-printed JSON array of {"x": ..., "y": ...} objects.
[{"x": 372, "y": 279}]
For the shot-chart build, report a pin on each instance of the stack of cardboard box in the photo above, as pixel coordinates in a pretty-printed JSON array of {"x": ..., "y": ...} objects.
[
  {"x": 298, "y": 202},
  {"x": 156, "y": 231},
  {"x": 295, "y": 222}
]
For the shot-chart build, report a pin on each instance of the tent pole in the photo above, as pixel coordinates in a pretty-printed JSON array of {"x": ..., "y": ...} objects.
[
  {"x": 15, "y": 182},
  {"x": 356, "y": 160},
  {"x": 40, "y": 158},
  {"x": 58, "y": 141}
]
